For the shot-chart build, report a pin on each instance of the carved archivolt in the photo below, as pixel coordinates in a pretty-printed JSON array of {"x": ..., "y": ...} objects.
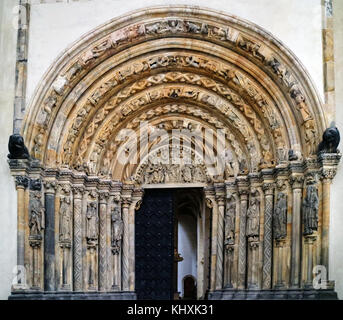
[{"x": 288, "y": 117}]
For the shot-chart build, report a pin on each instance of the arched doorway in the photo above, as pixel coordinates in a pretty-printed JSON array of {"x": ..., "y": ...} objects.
[{"x": 222, "y": 92}]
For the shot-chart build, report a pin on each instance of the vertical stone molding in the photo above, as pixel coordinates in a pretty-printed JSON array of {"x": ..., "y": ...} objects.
[
  {"x": 280, "y": 244},
  {"x": 296, "y": 182},
  {"x": 49, "y": 236},
  {"x": 309, "y": 242},
  {"x": 126, "y": 202},
  {"x": 77, "y": 237},
  {"x": 268, "y": 189},
  {"x": 328, "y": 164},
  {"x": 102, "y": 242},
  {"x": 36, "y": 226},
  {"x": 220, "y": 199},
  {"x": 230, "y": 243},
  {"x": 116, "y": 238},
  {"x": 242, "y": 250},
  {"x": 21, "y": 183},
  {"x": 212, "y": 205}
]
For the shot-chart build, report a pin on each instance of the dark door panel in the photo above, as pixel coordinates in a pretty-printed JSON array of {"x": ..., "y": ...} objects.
[{"x": 154, "y": 246}]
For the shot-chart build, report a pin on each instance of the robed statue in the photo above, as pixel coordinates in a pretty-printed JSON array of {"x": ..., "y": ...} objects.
[
  {"x": 280, "y": 217},
  {"x": 310, "y": 210},
  {"x": 253, "y": 218},
  {"x": 36, "y": 216},
  {"x": 65, "y": 218},
  {"x": 92, "y": 222},
  {"x": 117, "y": 229}
]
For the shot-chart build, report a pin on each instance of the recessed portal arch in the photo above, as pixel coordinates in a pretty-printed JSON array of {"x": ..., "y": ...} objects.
[{"x": 175, "y": 67}]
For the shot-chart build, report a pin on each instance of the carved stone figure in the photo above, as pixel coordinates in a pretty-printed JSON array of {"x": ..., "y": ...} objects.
[
  {"x": 230, "y": 221},
  {"x": 36, "y": 216},
  {"x": 17, "y": 148},
  {"x": 292, "y": 156},
  {"x": 187, "y": 173},
  {"x": 331, "y": 138},
  {"x": 280, "y": 217},
  {"x": 65, "y": 219},
  {"x": 253, "y": 214},
  {"x": 92, "y": 222},
  {"x": 117, "y": 230},
  {"x": 310, "y": 210}
]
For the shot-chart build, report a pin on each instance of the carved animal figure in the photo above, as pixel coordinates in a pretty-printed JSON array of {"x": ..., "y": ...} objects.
[
  {"x": 331, "y": 138},
  {"x": 17, "y": 148}
]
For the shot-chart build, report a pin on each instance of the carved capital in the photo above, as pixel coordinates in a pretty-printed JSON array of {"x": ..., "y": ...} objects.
[
  {"x": 268, "y": 188},
  {"x": 78, "y": 191},
  {"x": 296, "y": 181},
  {"x": 103, "y": 196},
  {"x": 35, "y": 184},
  {"x": 328, "y": 173},
  {"x": 50, "y": 186},
  {"x": 21, "y": 182},
  {"x": 126, "y": 201}
]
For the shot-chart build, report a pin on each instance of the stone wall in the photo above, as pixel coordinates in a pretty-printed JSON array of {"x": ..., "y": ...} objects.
[
  {"x": 8, "y": 198},
  {"x": 336, "y": 234}
]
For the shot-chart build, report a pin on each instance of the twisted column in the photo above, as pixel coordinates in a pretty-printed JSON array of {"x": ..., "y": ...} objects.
[
  {"x": 102, "y": 242},
  {"x": 126, "y": 201},
  {"x": 220, "y": 197},
  {"x": 268, "y": 241},
  {"x": 242, "y": 250},
  {"x": 77, "y": 246}
]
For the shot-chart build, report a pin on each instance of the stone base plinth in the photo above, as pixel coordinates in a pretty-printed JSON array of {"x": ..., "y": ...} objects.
[
  {"x": 120, "y": 295},
  {"x": 286, "y": 294}
]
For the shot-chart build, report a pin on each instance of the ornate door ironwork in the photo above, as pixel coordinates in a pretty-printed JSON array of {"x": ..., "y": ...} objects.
[{"x": 154, "y": 246}]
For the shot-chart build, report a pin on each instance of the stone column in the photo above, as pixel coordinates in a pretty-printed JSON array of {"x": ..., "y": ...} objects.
[
  {"x": 328, "y": 163},
  {"x": 137, "y": 197},
  {"x": 297, "y": 184},
  {"x": 36, "y": 226},
  {"x": 211, "y": 204},
  {"x": 116, "y": 241},
  {"x": 220, "y": 198},
  {"x": 280, "y": 244},
  {"x": 309, "y": 241},
  {"x": 77, "y": 234},
  {"x": 21, "y": 184},
  {"x": 230, "y": 232},
  {"x": 268, "y": 241},
  {"x": 102, "y": 241},
  {"x": 49, "y": 237},
  {"x": 242, "y": 250},
  {"x": 126, "y": 201}
]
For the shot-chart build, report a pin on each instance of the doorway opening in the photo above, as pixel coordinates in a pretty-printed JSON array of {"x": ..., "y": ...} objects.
[{"x": 172, "y": 245}]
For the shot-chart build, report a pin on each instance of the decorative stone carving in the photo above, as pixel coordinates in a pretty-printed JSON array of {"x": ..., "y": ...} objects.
[
  {"x": 310, "y": 209},
  {"x": 21, "y": 181},
  {"x": 17, "y": 148},
  {"x": 230, "y": 218},
  {"x": 65, "y": 219},
  {"x": 117, "y": 230},
  {"x": 280, "y": 217},
  {"x": 92, "y": 223},
  {"x": 330, "y": 142},
  {"x": 35, "y": 184},
  {"x": 36, "y": 216},
  {"x": 155, "y": 173},
  {"x": 253, "y": 214}
]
